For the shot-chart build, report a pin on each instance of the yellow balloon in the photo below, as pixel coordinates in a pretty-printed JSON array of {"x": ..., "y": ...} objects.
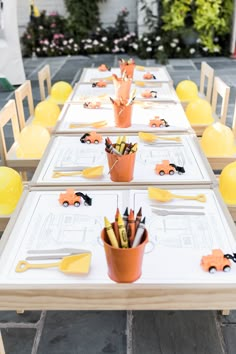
[
  {"x": 46, "y": 113},
  {"x": 187, "y": 90},
  {"x": 227, "y": 183},
  {"x": 60, "y": 91},
  {"x": 199, "y": 112},
  {"x": 11, "y": 188},
  {"x": 32, "y": 142},
  {"x": 218, "y": 140}
]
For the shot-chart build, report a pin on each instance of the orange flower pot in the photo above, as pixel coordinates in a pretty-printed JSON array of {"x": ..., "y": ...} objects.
[
  {"x": 124, "y": 264},
  {"x": 121, "y": 168},
  {"x": 128, "y": 69},
  {"x": 123, "y": 115}
]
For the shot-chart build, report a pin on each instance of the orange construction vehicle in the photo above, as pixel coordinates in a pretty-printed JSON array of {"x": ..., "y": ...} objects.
[
  {"x": 99, "y": 83},
  {"x": 70, "y": 197},
  {"x": 149, "y": 76},
  {"x": 158, "y": 122},
  {"x": 149, "y": 94},
  {"x": 91, "y": 137},
  {"x": 92, "y": 104},
  {"x": 103, "y": 67},
  {"x": 168, "y": 168},
  {"x": 215, "y": 261}
]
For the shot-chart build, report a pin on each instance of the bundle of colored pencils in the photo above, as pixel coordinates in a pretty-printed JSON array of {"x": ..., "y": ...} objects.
[
  {"x": 121, "y": 147},
  {"x": 127, "y": 230}
]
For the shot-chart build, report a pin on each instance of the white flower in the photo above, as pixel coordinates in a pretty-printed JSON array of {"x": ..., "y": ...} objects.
[
  {"x": 148, "y": 49},
  {"x": 198, "y": 40},
  {"x": 44, "y": 49},
  {"x": 76, "y": 46},
  {"x": 173, "y": 44},
  {"x": 95, "y": 42},
  {"x": 64, "y": 42},
  {"x": 216, "y": 39},
  {"x": 40, "y": 27},
  {"x": 38, "y": 49},
  {"x": 46, "y": 42},
  {"x": 104, "y": 39},
  {"x": 89, "y": 40},
  {"x": 205, "y": 49},
  {"x": 145, "y": 39},
  {"x": 192, "y": 50},
  {"x": 116, "y": 41},
  {"x": 175, "y": 40},
  {"x": 216, "y": 49},
  {"x": 158, "y": 38},
  {"x": 149, "y": 42},
  {"x": 160, "y": 47},
  {"x": 71, "y": 40},
  {"x": 135, "y": 46},
  {"x": 178, "y": 49}
]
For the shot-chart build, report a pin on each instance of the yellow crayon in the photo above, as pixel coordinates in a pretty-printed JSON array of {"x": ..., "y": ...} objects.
[
  {"x": 122, "y": 232},
  {"x": 122, "y": 144},
  {"x": 134, "y": 148},
  {"x": 110, "y": 233},
  {"x": 118, "y": 141}
]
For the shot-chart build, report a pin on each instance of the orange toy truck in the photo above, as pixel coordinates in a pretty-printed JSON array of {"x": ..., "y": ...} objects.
[
  {"x": 92, "y": 104},
  {"x": 91, "y": 137},
  {"x": 168, "y": 168},
  {"x": 215, "y": 261},
  {"x": 99, "y": 83},
  {"x": 70, "y": 197},
  {"x": 148, "y": 76},
  {"x": 149, "y": 94},
  {"x": 103, "y": 67},
  {"x": 158, "y": 122}
]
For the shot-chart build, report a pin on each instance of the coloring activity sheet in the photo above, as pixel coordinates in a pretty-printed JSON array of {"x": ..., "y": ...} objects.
[
  {"x": 94, "y": 74},
  {"x": 67, "y": 154},
  {"x": 172, "y": 254},
  {"x": 75, "y": 118}
]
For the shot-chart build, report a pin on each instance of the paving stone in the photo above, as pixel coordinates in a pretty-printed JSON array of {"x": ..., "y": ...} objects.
[
  {"x": 84, "y": 332},
  {"x": 26, "y": 317},
  {"x": 229, "y": 334},
  {"x": 180, "y": 332},
  {"x": 183, "y": 67},
  {"x": 18, "y": 340},
  {"x": 230, "y": 319}
]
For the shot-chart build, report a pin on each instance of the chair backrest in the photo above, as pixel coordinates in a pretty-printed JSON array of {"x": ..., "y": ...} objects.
[
  {"x": 24, "y": 91},
  {"x": 8, "y": 114},
  {"x": 234, "y": 121},
  {"x": 220, "y": 88},
  {"x": 44, "y": 77},
  {"x": 207, "y": 72}
]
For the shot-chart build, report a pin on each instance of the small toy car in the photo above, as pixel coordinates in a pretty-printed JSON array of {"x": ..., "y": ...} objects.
[
  {"x": 149, "y": 94},
  {"x": 70, "y": 197},
  {"x": 215, "y": 261},
  {"x": 157, "y": 122},
  {"x": 99, "y": 83},
  {"x": 91, "y": 137},
  {"x": 92, "y": 104},
  {"x": 168, "y": 168},
  {"x": 103, "y": 67},
  {"x": 149, "y": 76}
]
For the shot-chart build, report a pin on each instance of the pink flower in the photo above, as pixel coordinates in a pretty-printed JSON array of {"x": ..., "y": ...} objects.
[{"x": 53, "y": 25}]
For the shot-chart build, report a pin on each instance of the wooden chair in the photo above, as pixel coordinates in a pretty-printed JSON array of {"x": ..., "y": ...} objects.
[
  {"x": 2, "y": 350},
  {"x": 22, "y": 93},
  {"x": 44, "y": 77},
  {"x": 219, "y": 89},
  {"x": 207, "y": 73},
  {"x": 8, "y": 114}
]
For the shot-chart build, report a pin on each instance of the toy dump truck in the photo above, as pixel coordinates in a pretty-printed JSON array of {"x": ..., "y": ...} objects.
[
  {"x": 91, "y": 137},
  {"x": 158, "y": 122},
  {"x": 70, "y": 197},
  {"x": 168, "y": 168},
  {"x": 215, "y": 261}
]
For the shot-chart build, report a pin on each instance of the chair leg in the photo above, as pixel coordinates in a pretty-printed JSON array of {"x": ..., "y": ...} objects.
[
  {"x": 2, "y": 350},
  {"x": 20, "y": 312},
  {"x": 24, "y": 175}
]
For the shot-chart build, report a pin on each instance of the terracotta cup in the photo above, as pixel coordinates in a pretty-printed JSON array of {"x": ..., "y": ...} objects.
[
  {"x": 124, "y": 264},
  {"x": 123, "y": 115},
  {"x": 121, "y": 168},
  {"x": 128, "y": 69}
]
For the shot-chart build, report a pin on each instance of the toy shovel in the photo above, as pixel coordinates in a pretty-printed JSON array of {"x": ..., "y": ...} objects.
[
  {"x": 76, "y": 264},
  {"x": 165, "y": 196},
  {"x": 95, "y": 124},
  {"x": 91, "y": 172},
  {"x": 150, "y": 138}
]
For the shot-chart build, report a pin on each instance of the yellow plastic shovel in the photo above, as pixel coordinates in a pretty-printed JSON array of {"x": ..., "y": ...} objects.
[
  {"x": 165, "y": 196},
  {"x": 150, "y": 138},
  {"x": 97, "y": 124},
  {"x": 91, "y": 172},
  {"x": 76, "y": 264}
]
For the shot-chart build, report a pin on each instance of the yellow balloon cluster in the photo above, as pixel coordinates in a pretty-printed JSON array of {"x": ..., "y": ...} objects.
[
  {"x": 227, "y": 183},
  {"x": 32, "y": 142},
  {"x": 218, "y": 140},
  {"x": 199, "y": 112},
  {"x": 187, "y": 90},
  {"x": 60, "y": 91},
  {"x": 46, "y": 114},
  {"x": 11, "y": 188}
]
